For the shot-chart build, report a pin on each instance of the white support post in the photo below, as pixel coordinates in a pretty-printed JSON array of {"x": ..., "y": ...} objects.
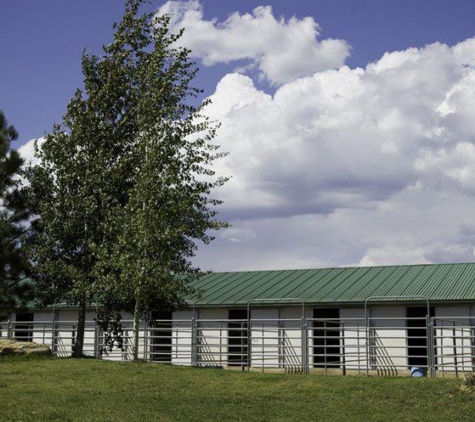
[
  {"x": 96, "y": 339},
  {"x": 9, "y": 327},
  {"x": 304, "y": 351},
  {"x": 53, "y": 332},
  {"x": 194, "y": 344},
  {"x": 146, "y": 351}
]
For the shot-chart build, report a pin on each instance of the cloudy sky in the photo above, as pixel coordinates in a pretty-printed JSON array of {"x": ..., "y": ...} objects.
[{"x": 350, "y": 126}]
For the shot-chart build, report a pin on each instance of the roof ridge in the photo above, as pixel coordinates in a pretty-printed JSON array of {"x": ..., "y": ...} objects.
[{"x": 349, "y": 267}]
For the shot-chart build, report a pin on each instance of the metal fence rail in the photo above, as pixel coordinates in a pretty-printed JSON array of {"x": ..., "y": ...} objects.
[{"x": 370, "y": 344}]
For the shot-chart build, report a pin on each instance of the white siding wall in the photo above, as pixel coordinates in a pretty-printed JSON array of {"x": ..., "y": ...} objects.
[
  {"x": 265, "y": 347},
  {"x": 354, "y": 337},
  {"x": 66, "y": 321},
  {"x": 181, "y": 337},
  {"x": 292, "y": 336},
  {"x": 89, "y": 334},
  {"x": 41, "y": 321},
  {"x": 455, "y": 348},
  {"x": 212, "y": 337},
  {"x": 391, "y": 348},
  {"x": 277, "y": 343}
]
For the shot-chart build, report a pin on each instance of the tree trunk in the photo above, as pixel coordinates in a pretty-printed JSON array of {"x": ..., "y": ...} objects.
[
  {"x": 79, "y": 344},
  {"x": 137, "y": 313}
]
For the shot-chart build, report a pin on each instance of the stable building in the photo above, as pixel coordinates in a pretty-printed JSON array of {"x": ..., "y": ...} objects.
[{"x": 385, "y": 320}]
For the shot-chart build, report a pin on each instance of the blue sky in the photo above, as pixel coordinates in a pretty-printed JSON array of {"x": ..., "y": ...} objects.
[
  {"x": 41, "y": 42},
  {"x": 350, "y": 125}
]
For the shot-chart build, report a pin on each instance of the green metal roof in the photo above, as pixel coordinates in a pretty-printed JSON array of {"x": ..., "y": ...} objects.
[{"x": 437, "y": 282}]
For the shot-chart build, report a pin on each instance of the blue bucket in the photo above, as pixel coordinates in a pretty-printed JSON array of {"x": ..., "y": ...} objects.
[{"x": 417, "y": 372}]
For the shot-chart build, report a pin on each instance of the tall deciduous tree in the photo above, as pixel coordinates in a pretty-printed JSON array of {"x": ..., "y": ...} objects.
[
  {"x": 66, "y": 192},
  {"x": 169, "y": 209},
  {"x": 14, "y": 265},
  {"x": 83, "y": 175},
  {"x": 123, "y": 188}
]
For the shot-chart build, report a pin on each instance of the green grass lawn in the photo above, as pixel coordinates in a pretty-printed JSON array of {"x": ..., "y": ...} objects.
[{"x": 86, "y": 389}]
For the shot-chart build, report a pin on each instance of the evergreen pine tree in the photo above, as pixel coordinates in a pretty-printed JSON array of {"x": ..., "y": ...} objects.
[{"x": 14, "y": 265}]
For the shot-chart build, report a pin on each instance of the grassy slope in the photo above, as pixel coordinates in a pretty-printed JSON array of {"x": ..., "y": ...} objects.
[{"x": 68, "y": 389}]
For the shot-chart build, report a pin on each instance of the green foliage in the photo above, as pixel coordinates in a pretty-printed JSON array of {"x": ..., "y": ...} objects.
[
  {"x": 123, "y": 185},
  {"x": 110, "y": 323},
  {"x": 14, "y": 266},
  {"x": 153, "y": 234}
]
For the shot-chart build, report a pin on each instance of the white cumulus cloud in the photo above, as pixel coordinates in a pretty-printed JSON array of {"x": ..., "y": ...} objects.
[
  {"x": 281, "y": 49},
  {"x": 27, "y": 151},
  {"x": 340, "y": 166},
  {"x": 371, "y": 165},
  {"x": 348, "y": 138}
]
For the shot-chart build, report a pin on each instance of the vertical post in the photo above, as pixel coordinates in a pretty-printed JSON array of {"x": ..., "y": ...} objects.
[
  {"x": 325, "y": 357},
  {"x": 462, "y": 335},
  {"x": 96, "y": 334},
  {"x": 358, "y": 345},
  {"x": 366, "y": 314},
  {"x": 249, "y": 339},
  {"x": 243, "y": 334},
  {"x": 434, "y": 348},
  {"x": 9, "y": 327},
  {"x": 280, "y": 341},
  {"x": 472, "y": 338},
  {"x": 442, "y": 348},
  {"x": 454, "y": 344},
  {"x": 430, "y": 347},
  {"x": 343, "y": 357},
  {"x": 428, "y": 343},
  {"x": 263, "y": 351},
  {"x": 304, "y": 345},
  {"x": 193, "y": 340},
  {"x": 96, "y": 340},
  {"x": 221, "y": 331},
  {"x": 146, "y": 351},
  {"x": 53, "y": 332},
  {"x": 177, "y": 336},
  {"x": 464, "y": 348}
]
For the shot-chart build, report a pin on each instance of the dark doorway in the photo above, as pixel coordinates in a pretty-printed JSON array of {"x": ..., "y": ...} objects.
[
  {"x": 24, "y": 332},
  {"x": 161, "y": 337},
  {"x": 237, "y": 337},
  {"x": 417, "y": 335},
  {"x": 326, "y": 342}
]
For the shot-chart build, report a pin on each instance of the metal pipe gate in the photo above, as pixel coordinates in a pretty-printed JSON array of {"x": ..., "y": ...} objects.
[{"x": 366, "y": 344}]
